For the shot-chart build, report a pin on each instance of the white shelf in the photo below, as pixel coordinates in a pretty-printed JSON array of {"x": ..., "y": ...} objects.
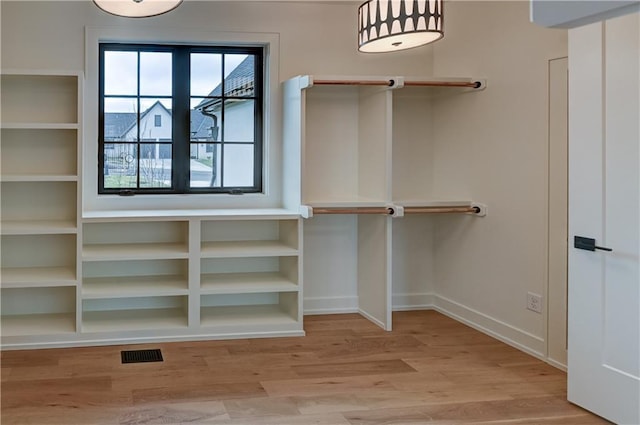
[
  {"x": 39, "y": 126},
  {"x": 133, "y": 286},
  {"x": 244, "y": 283},
  {"x": 38, "y": 227},
  {"x": 270, "y": 315},
  {"x": 134, "y": 251},
  {"x": 217, "y": 214},
  {"x": 38, "y": 324},
  {"x": 231, "y": 249},
  {"x": 38, "y": 277},
  {"x": 354, "y": 203},
  {"x": 431, "y": 203},
  {"x": 133, "y": 320},
  {"x": 38, "y": 178}
]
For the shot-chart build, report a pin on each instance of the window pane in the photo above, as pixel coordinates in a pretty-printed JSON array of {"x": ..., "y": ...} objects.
[
  {"x": 238, "y": 120},
  {"x": 238, "y": 165},
  {"x": 148, "y": 129},
  {"x": 205, "y": 165},
  {"x": 120, "y": 119},
  {"x": 155, "y": 165},
  {"x": 120, "y": 73},
  {"x": 203, "y": 127},
  {"x": 206, "y": 74},
  {"x": 120, "y": 165},
  {"x": 239, "y": 75},
  {"x": 155, "y": 73}
]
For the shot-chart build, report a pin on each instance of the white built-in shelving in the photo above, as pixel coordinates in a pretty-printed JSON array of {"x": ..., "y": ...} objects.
[
  {"x": 249, "y": 275},
  {"x": 41, "y": 135}
]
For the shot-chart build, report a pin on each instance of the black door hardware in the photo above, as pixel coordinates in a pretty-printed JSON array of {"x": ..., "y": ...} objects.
[{"x": 587, "y": 244}]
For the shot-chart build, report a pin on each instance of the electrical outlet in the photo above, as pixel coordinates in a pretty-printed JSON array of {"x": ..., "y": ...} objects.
[{"x": 534, "y": 302}]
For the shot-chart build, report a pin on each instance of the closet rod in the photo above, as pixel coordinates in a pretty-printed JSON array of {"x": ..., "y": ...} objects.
[
  {"x": 434, "y": 210},
  {"x": 391, "y": 83},
  {"x": 361, "y": 210}
]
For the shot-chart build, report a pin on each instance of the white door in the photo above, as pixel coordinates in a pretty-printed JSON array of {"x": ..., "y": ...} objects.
[{"x": 604, "y": 187}]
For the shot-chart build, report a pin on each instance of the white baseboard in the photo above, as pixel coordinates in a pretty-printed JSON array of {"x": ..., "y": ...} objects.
[
  {"x": 372, "y": 319},
  {"x": 330, "y": 305},
  {"x": 518, "y": 338},
  {"x": 556, "y": 364},
  {"x": 407, "y": 302}
]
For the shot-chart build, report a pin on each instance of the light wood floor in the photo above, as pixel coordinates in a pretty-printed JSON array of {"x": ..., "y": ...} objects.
[{"x": 429, "y": 370}]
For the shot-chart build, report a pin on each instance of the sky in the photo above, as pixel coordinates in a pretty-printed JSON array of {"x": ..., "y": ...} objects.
[{"x": 155, "y": 76}]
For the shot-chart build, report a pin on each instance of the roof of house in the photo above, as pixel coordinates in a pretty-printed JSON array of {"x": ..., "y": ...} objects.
[
  {"x": 239, "y": 82},
  {"x": 117, "y": 124}
]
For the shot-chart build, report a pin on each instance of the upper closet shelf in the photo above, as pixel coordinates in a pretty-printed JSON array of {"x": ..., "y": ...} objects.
[
  {"x": 38, "y": 178},
  {"x": 40, "y": 126}
]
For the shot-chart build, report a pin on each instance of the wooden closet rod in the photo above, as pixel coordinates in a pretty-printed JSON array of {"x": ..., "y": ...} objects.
[
  {"x": 391, "y": 83},
  {"x": 440, "y": 210},
  {"x": 361, "y": 210}
]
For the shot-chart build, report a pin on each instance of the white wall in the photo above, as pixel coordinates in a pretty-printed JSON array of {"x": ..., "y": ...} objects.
[{"x": 493, "y": 147}]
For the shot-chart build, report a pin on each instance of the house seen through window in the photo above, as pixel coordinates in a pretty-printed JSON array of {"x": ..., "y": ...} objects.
[{"x": 180, "y": 119}]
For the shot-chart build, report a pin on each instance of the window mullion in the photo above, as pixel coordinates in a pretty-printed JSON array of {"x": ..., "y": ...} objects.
[{"x": 181, "y": 119}]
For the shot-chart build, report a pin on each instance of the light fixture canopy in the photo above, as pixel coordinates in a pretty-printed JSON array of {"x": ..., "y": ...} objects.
[
  {"x": 137, "y": 8},
  {"x": 391, "y": 25}
]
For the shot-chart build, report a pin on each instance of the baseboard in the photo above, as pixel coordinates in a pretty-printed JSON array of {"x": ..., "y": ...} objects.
[
  {"x": 337, "y": 305},
  {"x": 330, "y": 305},
  {"x": 407, "y": 302},
  {"x": 372, "y": 319},
  {"x": 556, "y": 364},
  {"x": 493, "y": 327}
]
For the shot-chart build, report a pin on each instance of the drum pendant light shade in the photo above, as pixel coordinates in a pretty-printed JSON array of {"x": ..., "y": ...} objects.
[
  {"x": 391, "y": 25},
  {"x": 137, "y": 8}
]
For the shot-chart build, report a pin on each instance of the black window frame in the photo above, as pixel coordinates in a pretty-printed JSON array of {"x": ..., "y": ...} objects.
[{"x": 181, "y": 118}]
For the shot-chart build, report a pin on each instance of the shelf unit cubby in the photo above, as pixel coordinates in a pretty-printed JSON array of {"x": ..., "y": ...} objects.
[
  {"x": 257, "y": 310},
  {"x": 134, "y": 278},
  {"x": 38, "y": 260},
  {"x": 38, "y": 98},
  {"x": 249, "y": 275},
  {"x": 39, "y": 207},
  {"x": 134, "y": 314},
  {"x": 39, "y": 154},
  {"x": 133, "y": 240},
  {"x": 249, "y": 238},
  {"x": 38, "y": 311}
]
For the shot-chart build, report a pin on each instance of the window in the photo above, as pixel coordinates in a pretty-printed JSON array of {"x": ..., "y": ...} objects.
[{"x": 180, "y": 119}]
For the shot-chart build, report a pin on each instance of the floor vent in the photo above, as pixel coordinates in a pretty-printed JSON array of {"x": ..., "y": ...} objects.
[{"x": 141, "y": 356}]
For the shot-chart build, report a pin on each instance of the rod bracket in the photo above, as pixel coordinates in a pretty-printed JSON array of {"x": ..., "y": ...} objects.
[
  {"x": 481, "y": 83},
  {"x": 482, "y": 209},
  {"x": 396, "y": 83},
  {"x": 398, "y": 211},
  {"x": 306, "y": 211}
]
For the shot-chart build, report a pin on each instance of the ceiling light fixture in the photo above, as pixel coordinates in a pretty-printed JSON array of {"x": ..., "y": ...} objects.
[
  {"x": 137, "y": 8},
  {"x": 391, "y": 25}
]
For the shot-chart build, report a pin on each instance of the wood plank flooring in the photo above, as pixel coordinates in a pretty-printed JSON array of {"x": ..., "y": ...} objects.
[{"x": 346, "y": 371}]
